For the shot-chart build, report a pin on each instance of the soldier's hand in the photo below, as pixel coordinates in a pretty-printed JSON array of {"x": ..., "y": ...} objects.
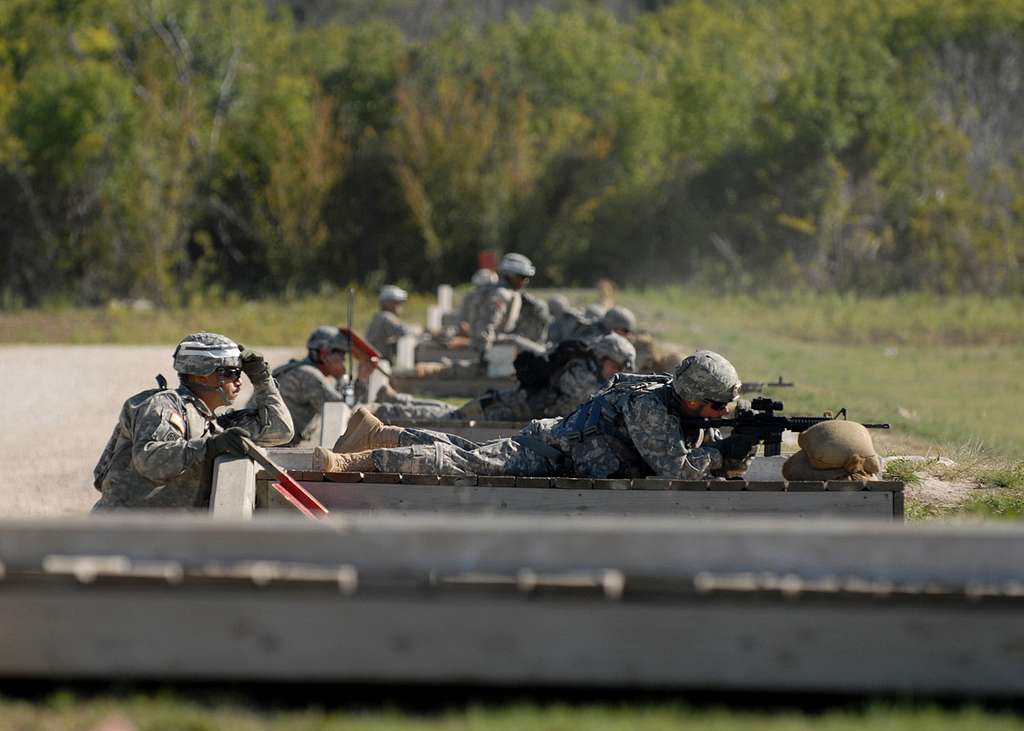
[
  {"x": 737, "y": 451},
  {"x": 255, "y": 366},
  {"x": 229, "y": 441}
]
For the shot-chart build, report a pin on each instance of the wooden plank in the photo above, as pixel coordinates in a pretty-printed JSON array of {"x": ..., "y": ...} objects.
[
  {"x": 804, "y": 486},
  {"x": 845, "y": 485},
  {"x": 766, "y": 486},
  {"x": 342, "y": 477},
  {"x": 334, "y": 418},
  {"x": 234, "y": 488},
  {"x": 495, "y": 481},
  {"x": 572, "y": 483},
  {"x": 376, "y": 496},
  {"x": 713, "y": 644},
  {"x": 534, "y": 482}
]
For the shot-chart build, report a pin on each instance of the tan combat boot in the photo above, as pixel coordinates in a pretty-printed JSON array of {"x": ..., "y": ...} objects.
[
  {"x": 326, "y": 461},
  {"x": 366, "y": 431}
]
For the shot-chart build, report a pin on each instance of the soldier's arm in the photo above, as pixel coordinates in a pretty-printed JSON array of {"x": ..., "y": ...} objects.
[
  {"x": 659, "y": 440},
  {"x": 160, "y": 451},
  {"x": 269, "y": 421}
]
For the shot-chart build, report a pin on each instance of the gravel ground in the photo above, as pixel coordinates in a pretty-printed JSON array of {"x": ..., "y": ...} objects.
[{"x": 62, "y": 403}]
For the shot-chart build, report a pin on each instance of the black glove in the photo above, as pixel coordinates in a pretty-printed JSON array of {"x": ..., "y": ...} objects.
[
  {"x": 736, "y": 449},
  {"x": 255, "y": 366},
  {"x": 228, "y": 441}
]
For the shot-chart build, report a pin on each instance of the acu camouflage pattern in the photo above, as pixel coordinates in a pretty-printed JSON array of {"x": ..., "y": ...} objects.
[
  {"x": 305, "y": 389},
  {"x": 156, "y": 456},
  {"x": 384, "y": 331},
  {"x": 570, "y": 386},
  {"x": 562, "y": 328},
  {"x": 393, "y": 406},
  {"x": 706, "y": 375},
  {"x": 497, "y": 314},
  {"x": 470, "y": 305},
  {"x": 641, "y": 436},
  {"x": 533, "y": 319},
  {"x": 428, "y": 452}
]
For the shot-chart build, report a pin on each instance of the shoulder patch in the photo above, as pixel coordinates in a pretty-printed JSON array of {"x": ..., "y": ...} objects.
[{"x": 177, "y": 422}]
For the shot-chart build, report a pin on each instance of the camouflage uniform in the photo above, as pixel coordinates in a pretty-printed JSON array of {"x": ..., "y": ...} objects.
[
  {"x": 157, "y": 454},
  {"x": 574, "y": 383},
  {"x": 533, "y": 319},
  {"x": 497, "y": 314},
  {"x": 384, "y": 331},
  {"x": 305, "y": 390},
  {"x": 470, "y": 305},
  {"x": 630, "y": 429},
  {"x": 564, "y": 325}
]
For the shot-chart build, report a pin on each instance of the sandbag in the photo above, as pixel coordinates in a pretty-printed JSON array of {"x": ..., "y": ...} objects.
[
  {"x": 798, "y": 468},
  {"x": 840, "y": 444}
]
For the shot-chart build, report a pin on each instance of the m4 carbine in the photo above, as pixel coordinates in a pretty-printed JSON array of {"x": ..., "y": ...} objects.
[{"x": 759, "y": 421}]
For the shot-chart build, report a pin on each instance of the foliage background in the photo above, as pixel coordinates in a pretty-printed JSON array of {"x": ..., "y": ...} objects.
[{"x": 170, "y": 149}]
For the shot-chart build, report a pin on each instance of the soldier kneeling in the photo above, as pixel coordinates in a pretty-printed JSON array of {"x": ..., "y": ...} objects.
[{"x": 162, "y": 450}]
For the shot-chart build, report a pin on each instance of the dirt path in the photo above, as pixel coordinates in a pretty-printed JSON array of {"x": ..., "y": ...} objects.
[{"x": 61, "y": 403}]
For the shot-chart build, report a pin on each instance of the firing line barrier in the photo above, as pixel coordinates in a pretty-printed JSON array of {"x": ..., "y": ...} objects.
[
  {"x": 643, "y": 602},
  {"x": 240, "y": 491}
]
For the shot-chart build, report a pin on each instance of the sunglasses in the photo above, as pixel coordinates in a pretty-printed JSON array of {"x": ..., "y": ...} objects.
[
  {"x": 718, "y": 405},
  {"x": 230, "y": 374}
]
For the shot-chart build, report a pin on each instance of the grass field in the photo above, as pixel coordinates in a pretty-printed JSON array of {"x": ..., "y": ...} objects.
[{"x": 167, "y": 712}]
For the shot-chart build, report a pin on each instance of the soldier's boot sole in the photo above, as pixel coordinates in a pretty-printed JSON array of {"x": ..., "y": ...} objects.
[
  {"x": 327, "y": 461},
  {"x": 366, "y": 431}
]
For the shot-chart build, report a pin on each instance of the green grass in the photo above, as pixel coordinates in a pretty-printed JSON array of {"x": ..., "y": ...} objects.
[
  {"x": 910, "y": 361},
  {"x": 165, "y": 712},
  {"x": 902, "y": 470}
]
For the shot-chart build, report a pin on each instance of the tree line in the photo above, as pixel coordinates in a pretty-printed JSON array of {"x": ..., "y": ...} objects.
[{"x": 171, "y": 148}]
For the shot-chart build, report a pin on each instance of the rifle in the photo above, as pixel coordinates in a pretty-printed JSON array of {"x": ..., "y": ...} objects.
[
  {"x": 758, "y": 386},
  {"x": 760, "y": 421}
]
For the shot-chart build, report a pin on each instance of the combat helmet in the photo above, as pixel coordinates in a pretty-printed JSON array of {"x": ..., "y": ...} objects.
[
  {"x": 706, "y": 376},
  {"x": 617, "y": 349},
  {"x": 202, "y": 353},
  {"x": 389, "y": 293},
  {"x": 558, "y": 304},
  {"x": 619, "y": 318},
  {"x": 516, "y": 264},
  {"x": 483, "y": 276},
  {"x": 327, "y": 337}
]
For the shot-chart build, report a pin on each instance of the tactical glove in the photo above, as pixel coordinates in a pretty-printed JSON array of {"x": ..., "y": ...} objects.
[
  {"x": 736, "y": 450},
  {"x": 229, "y": 441},
  {"x": 255, "y": 366}
]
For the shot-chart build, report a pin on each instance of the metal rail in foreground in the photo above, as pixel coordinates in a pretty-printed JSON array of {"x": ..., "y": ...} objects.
[{"x": 638, "y": 602}]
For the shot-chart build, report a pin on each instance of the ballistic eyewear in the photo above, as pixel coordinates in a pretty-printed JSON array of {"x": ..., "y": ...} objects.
[{"x": 229, "y": 373}]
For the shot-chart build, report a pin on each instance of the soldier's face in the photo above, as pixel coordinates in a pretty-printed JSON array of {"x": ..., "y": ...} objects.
[
  {"x": 332, "y": 363},
  {"x": 228, "y": 379},
  {"x": 706, "y": 409},
  {"x": 713, "y": 409},
  {"x": 517, "y": 281},
  {"x": 609, "y": 368}
]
